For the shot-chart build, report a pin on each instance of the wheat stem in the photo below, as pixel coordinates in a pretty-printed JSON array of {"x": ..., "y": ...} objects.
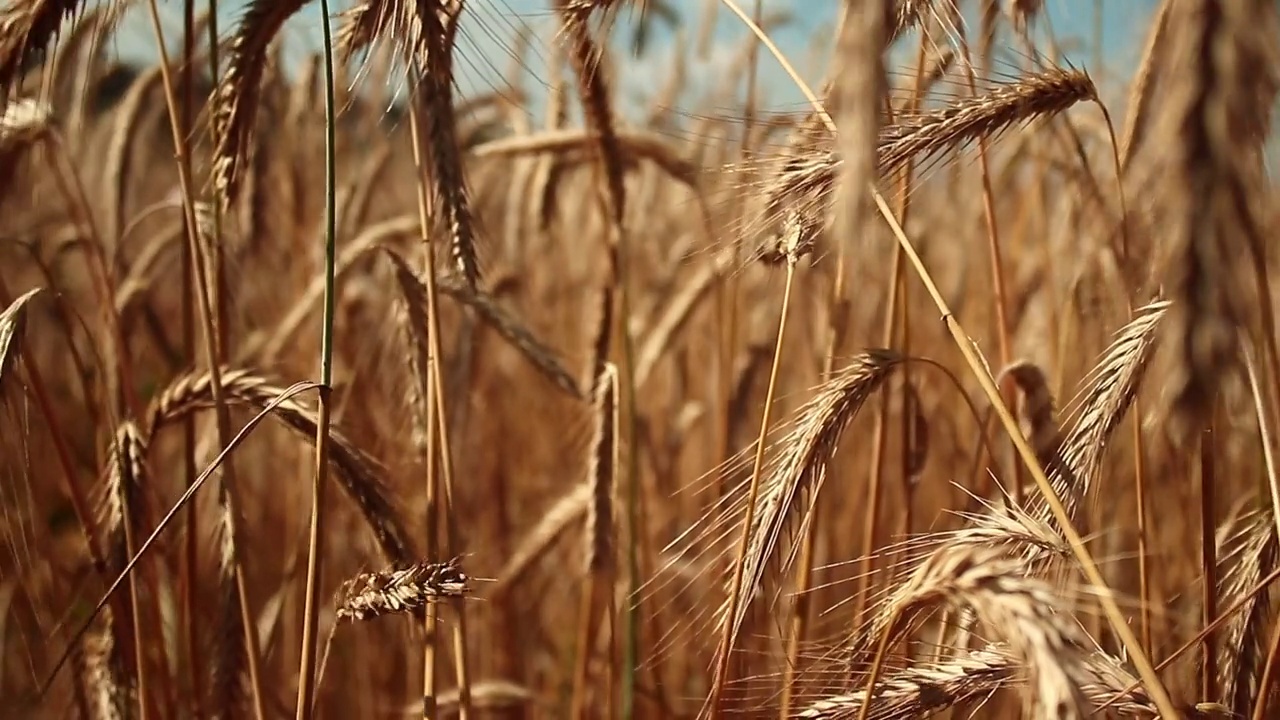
[
  {"x": 729, "y": 627},
  {"x": 315, "y": 543},
  {"x": 203, "y": 296}
]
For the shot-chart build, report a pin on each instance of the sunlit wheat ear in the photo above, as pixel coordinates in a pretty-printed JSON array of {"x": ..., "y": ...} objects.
[
  {"x": 125, "y": 472},
  {"x": 371, "y": 595},
  {"x": 1247, "y": 551},
  {"x": 809, "y": 178},
  {"x": 13, "y": 323},
  {"x": 919, "y": 691},
  {"x": 909, "y": 14},
  {"x": 801, "y": 465},
  {"x": 355, "y": 471},
  {"x": 1039, "y": 418},
  {"x": 27, "y": 28},
  {"x": 1003, "y": 526},
  {"x": 240, "y": 92},
  {"x": 1211, "y": 127},
  {"x": 1022, "y": 611},
  {"x": 425, "y": 33},
  {"x": 23, "y": 123},
  {"x": 1101, "y": 406}
]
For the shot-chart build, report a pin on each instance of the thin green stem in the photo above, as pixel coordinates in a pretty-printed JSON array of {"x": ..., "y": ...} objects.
[{"x": 310, "y": 613}]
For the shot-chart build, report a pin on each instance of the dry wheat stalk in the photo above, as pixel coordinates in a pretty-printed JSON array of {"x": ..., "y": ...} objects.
[
  {"x": 355, "y": 470},
  {"x": 370, "y": 595}
]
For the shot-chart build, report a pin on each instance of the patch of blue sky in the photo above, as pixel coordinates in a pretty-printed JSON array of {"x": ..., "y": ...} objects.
[{"x": 485, "y": 55}]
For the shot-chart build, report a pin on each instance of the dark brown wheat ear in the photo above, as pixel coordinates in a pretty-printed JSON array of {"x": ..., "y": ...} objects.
[
  {"x": 425, "y": 34},
  {"x": 356, "y": 473},
  {"x": 241, "y": 90},
  {"x": 588, "y": 58}
]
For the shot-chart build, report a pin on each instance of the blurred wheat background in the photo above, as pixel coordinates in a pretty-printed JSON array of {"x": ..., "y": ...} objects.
[{"x": 607, "y": 359}]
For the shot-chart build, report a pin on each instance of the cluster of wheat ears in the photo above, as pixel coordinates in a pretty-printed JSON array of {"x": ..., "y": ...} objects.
[{"x": 694, "y": 409}]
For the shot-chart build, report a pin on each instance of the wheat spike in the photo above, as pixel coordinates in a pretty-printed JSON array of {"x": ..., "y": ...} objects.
[
  {"x": 13, "y": 322},
  {"x": 241, "y": 90},
  {"x": 370, "y": 595}
]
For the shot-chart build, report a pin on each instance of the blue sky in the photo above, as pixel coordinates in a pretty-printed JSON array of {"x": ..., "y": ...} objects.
[{"x": 486, "y": 41}]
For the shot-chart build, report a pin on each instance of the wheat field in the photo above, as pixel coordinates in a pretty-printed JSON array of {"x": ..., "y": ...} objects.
[{"x": 949, "y": 392}]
